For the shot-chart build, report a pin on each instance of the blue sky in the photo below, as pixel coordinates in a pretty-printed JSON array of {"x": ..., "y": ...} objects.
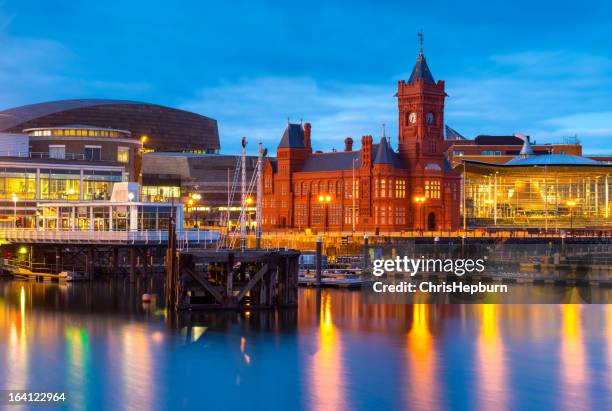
[{"x": 541, "y": 68}]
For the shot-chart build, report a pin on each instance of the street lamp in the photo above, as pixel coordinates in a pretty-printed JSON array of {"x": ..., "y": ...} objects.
[
  {"x": 419, "y": 200},
  {"x": 15, "y": 199},
  {"x": 325, "y": 200},
  {"x": 195, "y": 197},
  {"x": 571, "y": 204},
  {"x": 249, "y": 201},
  {"x": 143, "y": 140}
]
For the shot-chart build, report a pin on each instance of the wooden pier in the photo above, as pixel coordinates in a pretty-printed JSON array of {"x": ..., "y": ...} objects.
[{"x": 232, "y": 279}]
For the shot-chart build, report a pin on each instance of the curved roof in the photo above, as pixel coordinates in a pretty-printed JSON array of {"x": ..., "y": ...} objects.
[
  {"x": 168, "y": 129},
  {"x": 553, "y": 160},
  {"x": 17, "y": 115}
]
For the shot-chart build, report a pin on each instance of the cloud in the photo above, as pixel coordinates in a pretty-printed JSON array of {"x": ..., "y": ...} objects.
[
  {"x": 548, "y": 95},
  {"x": 259, "y": 107},
  {"x": 36, "y": 69}
]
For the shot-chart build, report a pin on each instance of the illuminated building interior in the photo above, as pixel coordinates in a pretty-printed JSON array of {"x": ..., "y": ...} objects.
[{"x": 546, "y": 191}]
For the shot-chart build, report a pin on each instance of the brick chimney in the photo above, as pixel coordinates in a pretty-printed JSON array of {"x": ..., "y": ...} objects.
[
  {"x": 348, "y": 144},
  {"x": 366, "y": 151},
  {"x": 307, "y": 143}
]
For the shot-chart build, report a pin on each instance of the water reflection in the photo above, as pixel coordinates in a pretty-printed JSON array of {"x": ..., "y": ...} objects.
[
  {"x": 423, "y": 392},
  {"x": 77, "y": 351},
  {"x": 334, "y": 352},
  {"x": 16, "y": 366},
  {"x": 572, "y": 358},
  {"x": 137, "y": 369},
  {"x": 327, "y": 374},
  {"x": 492, "y": 378}
]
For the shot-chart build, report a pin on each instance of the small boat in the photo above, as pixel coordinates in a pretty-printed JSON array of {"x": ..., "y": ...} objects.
[
  {"x": 336, "y": 277},
  {"x": 72, "y": 276}
]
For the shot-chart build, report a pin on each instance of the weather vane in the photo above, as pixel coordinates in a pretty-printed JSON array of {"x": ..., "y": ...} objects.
[{"x": 420, "y": 34}]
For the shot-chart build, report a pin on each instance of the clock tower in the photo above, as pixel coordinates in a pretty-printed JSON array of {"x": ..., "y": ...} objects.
[{"x": 421, "y": 115}]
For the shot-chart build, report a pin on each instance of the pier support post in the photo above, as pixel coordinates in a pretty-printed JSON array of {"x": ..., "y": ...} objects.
[
  {"x": 132, "y": 264},
  {"x": 319, "y": 260},
  {"x": 115, "y": 258},
  {"x": 366, "y": 252},
  {"x": 58, "y": 259},
  {"x": 145, "y": 262},
  {"x": 91, "y": 255}
]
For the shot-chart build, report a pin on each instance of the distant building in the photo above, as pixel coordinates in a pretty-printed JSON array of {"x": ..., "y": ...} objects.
[
  {"x": 545, "y": 191},
  {"x": 499, "y": 149},
  {"x": 376, "y": 187},
  {"x": 180, "y": 176},
  {"x": 167, "y": 129},
  {"x": 76, "y": 150}
]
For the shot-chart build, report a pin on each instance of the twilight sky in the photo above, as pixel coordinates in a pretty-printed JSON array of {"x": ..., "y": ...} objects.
[{"x": 543, "y": 68}]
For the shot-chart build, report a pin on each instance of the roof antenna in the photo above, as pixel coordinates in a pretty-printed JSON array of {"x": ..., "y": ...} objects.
[
  {"x": 288, "y": 120},
  {"x": 301, "y": 121},
  {"x": 383, "y": 130},
  {"x": 420, "y": 35}
]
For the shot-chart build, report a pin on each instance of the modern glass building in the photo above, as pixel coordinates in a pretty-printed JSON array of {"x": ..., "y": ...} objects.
[
  {"x": 24, "y": 184},
  {"x": 549, "y": 191}
]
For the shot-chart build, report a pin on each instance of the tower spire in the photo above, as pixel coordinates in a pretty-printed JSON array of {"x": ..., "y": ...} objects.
[{"x": 420, "y": 35}]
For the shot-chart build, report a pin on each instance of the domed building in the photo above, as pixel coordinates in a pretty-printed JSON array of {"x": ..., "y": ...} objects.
[
  {"x": 543, "y": 191},
  {"x": 167, "y": 129}
]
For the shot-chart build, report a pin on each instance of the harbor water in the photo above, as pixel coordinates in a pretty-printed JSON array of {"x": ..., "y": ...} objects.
[{"x": 107, "y": 350}]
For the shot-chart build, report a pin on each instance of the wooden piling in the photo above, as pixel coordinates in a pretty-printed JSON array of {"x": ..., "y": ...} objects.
[{"x": 235, "y": 279}]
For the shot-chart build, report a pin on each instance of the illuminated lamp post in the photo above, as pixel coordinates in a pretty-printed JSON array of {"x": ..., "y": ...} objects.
[
  {"x": 571, "y": 204},
  {"x": 325, "y": 200},
  {"x": 15, "y": 199},
  {"x": 419, "y": 200},
  {"x": 143, "y": 140},
  {"x": 190, "y": 203},
  {"x": 249, "y": 202},
  {"x": 195, "y": 197}
]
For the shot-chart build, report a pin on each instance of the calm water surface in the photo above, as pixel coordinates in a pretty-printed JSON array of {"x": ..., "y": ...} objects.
[{"x": 108, "y": 351}]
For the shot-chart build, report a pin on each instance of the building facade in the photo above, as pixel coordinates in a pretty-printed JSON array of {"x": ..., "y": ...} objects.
[
  {"x": 376, "y": 187},
  {"x": 543, "y": 191},
  {"x": 167, "y": 129},
  {"x": 202, "y": 182},
  {"x": 501, "y": 149}
]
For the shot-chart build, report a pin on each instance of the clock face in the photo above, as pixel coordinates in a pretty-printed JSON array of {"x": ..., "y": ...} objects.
[
  {"x": 429, "y": 118},
  {"x": 412, "y": 118}
]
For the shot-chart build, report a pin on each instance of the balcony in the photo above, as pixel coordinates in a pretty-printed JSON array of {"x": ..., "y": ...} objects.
[{"x": 43, "y": 155}]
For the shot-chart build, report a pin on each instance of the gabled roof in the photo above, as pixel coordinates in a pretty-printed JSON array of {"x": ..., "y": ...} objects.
[
  {"x": 383, "y": 154},
  {"x": 273, "y": 164},
  {"x": 293, "y": 137},
  {"x": 340, "y": 160},
  {"x": 452, "y": 134},
  {"x": 421, "y": 71}
]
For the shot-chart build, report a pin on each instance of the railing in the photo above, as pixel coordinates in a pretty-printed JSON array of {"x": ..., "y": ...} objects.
[
  {"x": 30, "y": 235},
  {"x": 43, "y": 155}
]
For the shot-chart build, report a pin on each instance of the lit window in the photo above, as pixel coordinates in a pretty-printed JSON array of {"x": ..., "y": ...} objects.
[
  {"x": 123, "y": 155},
  {"x": 383, "y": 188},
  {"x": 432, "y": 189},
  {"x": 400, "y": 188}
]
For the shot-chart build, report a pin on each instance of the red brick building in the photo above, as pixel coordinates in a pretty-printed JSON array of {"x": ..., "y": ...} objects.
[{"x": 376, "y": 186}]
